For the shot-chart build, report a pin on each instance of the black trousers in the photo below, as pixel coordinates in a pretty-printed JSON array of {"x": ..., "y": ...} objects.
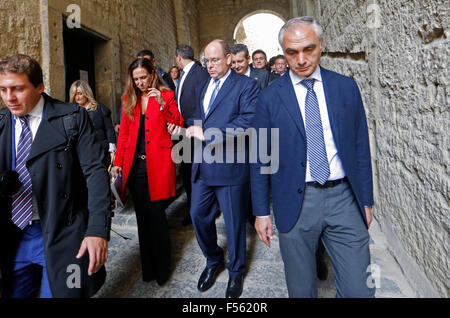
[{"x": 153, "y": 229}]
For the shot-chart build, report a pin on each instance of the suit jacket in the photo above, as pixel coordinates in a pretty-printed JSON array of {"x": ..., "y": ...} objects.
[
  {"x": 278, "y": 108},
  {"x": 260, "y": 76},
  {"x": 233, "y": 107},
  {"x": 71, "y": 187},
  {"x": 158, "y": 147},
  {"x": 196, "y": 76},
  {"x": 103, "y": 127}
]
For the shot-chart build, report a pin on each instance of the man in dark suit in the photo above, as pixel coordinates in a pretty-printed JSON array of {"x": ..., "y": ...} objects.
[
  {"x": 167, "y": 80},
  {"x": 62, "y": 211},
  {"x": 240, "y": 63},
  {"x": 225, "y": 109},
  {"x": 321, "y": 177},
  {"x": 192, "y": 76},
  {"x": 259, "y": 58}
]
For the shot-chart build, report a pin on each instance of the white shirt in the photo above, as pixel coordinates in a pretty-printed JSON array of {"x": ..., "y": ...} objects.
[
  {"x": 248, "y": 72},
  {"x": 211, "y": 88},
  {"x": 186, "y": 70},
  {"x": 336, "y": 168},
  {"x": 34, "y": 120}
]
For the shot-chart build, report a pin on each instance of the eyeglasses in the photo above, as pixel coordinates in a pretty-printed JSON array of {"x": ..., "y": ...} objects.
[{"x": 214, "y": 61}]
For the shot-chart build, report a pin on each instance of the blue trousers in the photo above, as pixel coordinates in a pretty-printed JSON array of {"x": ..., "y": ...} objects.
[
  {"x": 330, "y": 214},
  {"x": 233, "y": 201},
  {"x": 29, "y": 271}
]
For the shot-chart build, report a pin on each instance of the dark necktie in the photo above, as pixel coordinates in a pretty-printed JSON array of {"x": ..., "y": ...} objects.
[
  {"x": 317, "y": 153},
  {"x": 22, "y": 207}
]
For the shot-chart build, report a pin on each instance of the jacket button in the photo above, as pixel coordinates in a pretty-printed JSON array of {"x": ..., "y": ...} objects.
[
  {"x": 63, "y": 195},
  {"x": 59, "y": 166},
  {"x": 146, "y": 118},
  {"x": 148, "y": 142},
  {"x": 303, "y": 164},
  {"x": 300, "y": 191},
  {"x": 148, "y": 130}
]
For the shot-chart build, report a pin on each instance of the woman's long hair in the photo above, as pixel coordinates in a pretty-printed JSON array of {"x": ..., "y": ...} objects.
[
  {"x": 132, "y": 92},
  {"x": 86, "y": 90}
]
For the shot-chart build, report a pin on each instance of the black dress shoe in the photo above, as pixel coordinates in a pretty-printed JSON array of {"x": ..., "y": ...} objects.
[
  {"x": 208, "y": 277},
  {"x": 235, "y": 286}
]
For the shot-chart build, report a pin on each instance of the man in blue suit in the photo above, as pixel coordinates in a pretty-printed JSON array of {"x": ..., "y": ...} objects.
[
  {"x": 225, "y": 105},
  {"x": 322, "y": 181},
  {"x": 240, "y": 63}
]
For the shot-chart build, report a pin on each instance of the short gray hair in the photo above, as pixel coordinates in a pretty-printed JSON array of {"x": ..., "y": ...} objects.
[{"x": 297, "y": 21}]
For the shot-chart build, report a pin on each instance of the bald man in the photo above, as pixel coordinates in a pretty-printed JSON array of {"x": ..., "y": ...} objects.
[{"x": 226, "y": 100}]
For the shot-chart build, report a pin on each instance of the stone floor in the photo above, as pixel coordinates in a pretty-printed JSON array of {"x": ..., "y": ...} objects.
[{"x": 264, "y": 277}]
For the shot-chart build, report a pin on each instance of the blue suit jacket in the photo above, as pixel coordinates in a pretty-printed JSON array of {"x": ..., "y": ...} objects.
[
  {"x": 261, "y": 76},
  {"x": 278, "y": 108},
  {"x": 234, "y": 107}
]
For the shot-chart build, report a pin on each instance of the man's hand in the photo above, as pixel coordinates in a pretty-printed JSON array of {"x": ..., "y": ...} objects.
[
  {"x": 368, "y": 210},
  {"x": 97, "y": 248},
  {"x": 116, "y": 171},
  {"x": 196, "y": 132},
  {"x": 263, "y": 227}
]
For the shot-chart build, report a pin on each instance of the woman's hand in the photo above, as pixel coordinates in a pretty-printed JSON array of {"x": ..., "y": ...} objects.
[
  {"x": 174, "y": 130},
  {"x": 116, "y": 171},
  {"x": 153, "y": 92}
]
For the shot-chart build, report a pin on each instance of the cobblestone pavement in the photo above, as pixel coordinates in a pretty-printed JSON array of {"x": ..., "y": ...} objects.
[{"x": 265, "y": 272}]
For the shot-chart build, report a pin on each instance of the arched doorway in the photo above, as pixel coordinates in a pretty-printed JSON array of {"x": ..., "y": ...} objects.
[{"x": 259, "y": 30}]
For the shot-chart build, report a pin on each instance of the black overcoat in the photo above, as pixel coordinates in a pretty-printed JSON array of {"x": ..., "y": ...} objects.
[{"x": 71, "y": 187}]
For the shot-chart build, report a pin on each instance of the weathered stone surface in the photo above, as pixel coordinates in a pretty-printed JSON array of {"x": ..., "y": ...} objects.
[{"x": 401, "y": 67}]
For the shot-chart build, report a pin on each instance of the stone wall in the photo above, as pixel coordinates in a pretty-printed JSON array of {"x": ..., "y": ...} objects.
[
  {"x": 35, "y": 27},
  {"x": 20, "y": 28},
  {"x": 398, "y": 53}
]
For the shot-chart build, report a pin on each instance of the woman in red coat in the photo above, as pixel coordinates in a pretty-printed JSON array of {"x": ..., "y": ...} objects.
[{"x": 144, "y": 158}]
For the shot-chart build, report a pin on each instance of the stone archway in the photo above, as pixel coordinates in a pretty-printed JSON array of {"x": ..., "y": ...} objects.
[{"x": 218, "y": 18}]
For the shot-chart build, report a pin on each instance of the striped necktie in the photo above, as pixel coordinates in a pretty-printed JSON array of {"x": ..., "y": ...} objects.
[
  {"x": 214, "y": 95},
  {"x": 317, "y": 153},
  {"x": 22, "y": 207}
]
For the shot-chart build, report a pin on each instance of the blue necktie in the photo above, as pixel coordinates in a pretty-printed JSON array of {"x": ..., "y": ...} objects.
[
  {"x": 22, "y": 207},
  {"x": 317, "y": 153},
  {"x": 214, "y": 95}
]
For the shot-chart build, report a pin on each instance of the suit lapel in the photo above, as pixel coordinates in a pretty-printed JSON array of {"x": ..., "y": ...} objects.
[
  {"x": 6, "y": 142},
  {"x": 287, "y": 95},
  {"x": 47, "y": 136},
  {"x": 226, "y": 87},
  {"x": 332, "y": 99}
]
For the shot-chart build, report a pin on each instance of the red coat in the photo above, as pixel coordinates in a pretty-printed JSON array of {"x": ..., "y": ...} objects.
[{"x": 161, "y": 169}]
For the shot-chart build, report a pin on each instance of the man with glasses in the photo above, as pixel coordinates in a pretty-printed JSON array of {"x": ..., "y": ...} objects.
[{"x": 225, "y": 102}]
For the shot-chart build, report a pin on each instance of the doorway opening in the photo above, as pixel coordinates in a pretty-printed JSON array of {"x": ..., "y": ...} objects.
[
  {"x": 259, "y": 30},
  {"x": 80, "y": 56}
]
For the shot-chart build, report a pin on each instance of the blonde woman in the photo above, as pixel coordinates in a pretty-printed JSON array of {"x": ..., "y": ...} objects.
[{"x": 81, "y": 93}]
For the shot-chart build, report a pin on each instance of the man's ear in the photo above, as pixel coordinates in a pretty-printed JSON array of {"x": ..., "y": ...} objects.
[
  {"x": 228, "y": 59},
  {"x": 41, "y": 88}
]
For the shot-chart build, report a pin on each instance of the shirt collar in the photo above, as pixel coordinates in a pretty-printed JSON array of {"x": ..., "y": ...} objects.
[
  {"x": 37, "y": 110},
  {"x": 248, "y": 72},
  {"x": 297, "y": 79},
  {"x": 188, "y": 67},
  {"x": 224, "y": 78}
]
